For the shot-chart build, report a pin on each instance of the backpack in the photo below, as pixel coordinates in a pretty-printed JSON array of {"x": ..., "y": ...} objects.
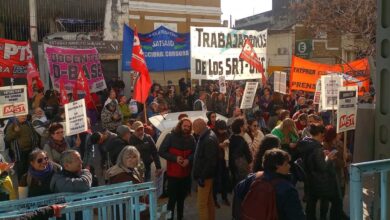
[
  {"x": 260, "y": 201},
  {"x": 240, "y": 191}
]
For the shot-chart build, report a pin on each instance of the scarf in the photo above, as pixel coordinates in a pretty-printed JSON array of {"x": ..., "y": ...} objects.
[
  {"x": 59, "y": 147},
  {"x": 41, "y": 175},
  {"x": 117, "y": 169}
]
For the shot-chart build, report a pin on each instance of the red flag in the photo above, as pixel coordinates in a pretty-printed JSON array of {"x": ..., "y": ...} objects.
[
  {"x": 143, "y": 84},
  {"x": 63, "y": 94},
  {"x": 249, "y": 55},
  {"x": 82, "y": 84},
  {"x": 33, "y": 75}
]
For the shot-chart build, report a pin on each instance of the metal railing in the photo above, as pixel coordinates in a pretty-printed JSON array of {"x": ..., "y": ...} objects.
[
  {"x": 116, "y": 201},
  {"x": 355, "y": 199}
]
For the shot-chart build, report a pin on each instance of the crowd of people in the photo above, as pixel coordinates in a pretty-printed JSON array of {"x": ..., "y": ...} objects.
[{"x": 282, "y": 137}]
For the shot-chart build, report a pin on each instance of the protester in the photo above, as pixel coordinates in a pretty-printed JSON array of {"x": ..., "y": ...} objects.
[
  {"x": 147, "y": 148},
  {"x": 40, "y": 123},
  {"x": 178, "y": 149},
  {"x": 23, "y": 139},
  {"x": 211, "y": 119},
  {"x": 111, "y": 116},
  {"x": 269, "y": 142},
  {"x": 39, "y": 174},
  {"x": 255, "y": 136},
  {"x": 72, "y": 178},
  {"x": 200, "y": 103},
  {"x": 116, "y": 144},
  {"x": 222, "y": 178},
  {"x": 205, "y": 168},
  {"x": 56, "y": 143},
  {"x": 276, "y": 173},
  {"x": 240, "y": 155},
  {"x": 124, "y": 109},
  {"x": 7, "y": 190},
  {"x": 111, "y": 98}
]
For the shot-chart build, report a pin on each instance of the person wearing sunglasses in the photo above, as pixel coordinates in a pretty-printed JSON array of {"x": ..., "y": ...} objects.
[{"x": 39, "y": 174}]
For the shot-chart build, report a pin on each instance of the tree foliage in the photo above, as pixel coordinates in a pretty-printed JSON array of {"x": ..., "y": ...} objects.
[{"x": 356, "y": 18}]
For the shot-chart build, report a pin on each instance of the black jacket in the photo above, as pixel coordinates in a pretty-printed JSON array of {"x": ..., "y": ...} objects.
[
  {"x": 206, "y": 156},
  {"x": 147, "y": 149},
  {"x": 320, "y": 175},
  {"x": 238, "y": 147},
  {"x": 179, "y": 142},
  {"x": 114, "y": 147}
]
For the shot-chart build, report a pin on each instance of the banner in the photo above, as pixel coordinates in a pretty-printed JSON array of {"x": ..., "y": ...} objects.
[
  {"x": 14, "y": 56},
  {"x": 347, "y": 108},
  {"x": 164, "y": 50},
  {"x": 249, "y": 95},
  {"x": 304, "y": 74},
  {"x": 330, "y": 85},
  {"x": 75, "y": 117},
  {"x": 215, "y": 52},
  {"x": 65, "y": 63},
  {"x": 280, "y": 82},
  {"x": 13, "y": 101}
]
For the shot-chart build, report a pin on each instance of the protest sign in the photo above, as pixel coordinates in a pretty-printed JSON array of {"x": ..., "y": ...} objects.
[
  {"x": 163, "y": 49},
  {"x": 13, "y": 101},
  {"x": 75, "y": 117},
  {"x": 317, "y": 93},
  {"x": 249, "y": 95},
  {"x": 215, "y": 52},
  {"x": 280, "y": 82},
  {"x": 347, "y": 108},
  {"x": 330, "y": 85},
  {"x": 14, "y": 56},
  {"x": 222, "y": 84},
  {"x": 65, "y": 63},
  {"x": 304, "y": 74},
  {"x": 159, "y": 182}
]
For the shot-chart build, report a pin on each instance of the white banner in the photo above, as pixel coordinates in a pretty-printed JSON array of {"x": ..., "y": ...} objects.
[
  {"x": 280, "y": 82},
  {"x": 215, "y": 52},
  {"x": 330, "y": 85},
  {"x": 347, "y": 108},
  {"x": 13, "y": 101},
  {"x": 222, "y": 84},
  {"x": 75, "y": 117},
  {"x": 249, "y": 95}
]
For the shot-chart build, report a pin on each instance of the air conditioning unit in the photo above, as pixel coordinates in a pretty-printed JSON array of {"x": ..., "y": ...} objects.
[{"x": 282, "y": 51}]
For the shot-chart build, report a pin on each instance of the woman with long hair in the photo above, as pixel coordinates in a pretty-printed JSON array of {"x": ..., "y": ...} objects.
[
  {"x": 255, "y": 135},
  {"x": 212, "y": 118}
]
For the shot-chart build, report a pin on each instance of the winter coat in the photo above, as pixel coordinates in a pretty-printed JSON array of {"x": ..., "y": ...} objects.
[
  {"x": 66, "y": 181},
  {"x": 147, "y": 149},
  {"x": 107, "y": 119},
  {"x": 206, "y": 156}
]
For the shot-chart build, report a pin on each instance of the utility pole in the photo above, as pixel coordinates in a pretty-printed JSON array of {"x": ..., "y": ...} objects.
[{"x": 33, "y": 20}]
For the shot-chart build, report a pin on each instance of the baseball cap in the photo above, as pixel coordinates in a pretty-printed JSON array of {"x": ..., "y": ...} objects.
[
  {"x": 122, "y": 130},
  {"x": 136, "y": 125}
]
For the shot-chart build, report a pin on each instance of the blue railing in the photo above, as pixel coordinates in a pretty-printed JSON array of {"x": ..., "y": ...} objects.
[
  {"x": 355, "y": 199},
  {"x": 116, "y": 201}
]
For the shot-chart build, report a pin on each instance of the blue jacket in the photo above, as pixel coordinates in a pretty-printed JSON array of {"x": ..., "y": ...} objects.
[{"x": 287, "y": 198}]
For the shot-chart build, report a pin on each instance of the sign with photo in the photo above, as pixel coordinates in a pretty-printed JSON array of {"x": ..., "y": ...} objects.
[
  {"x": 249, "y": 95},
  {"x": 330, "y": 85},
  {"x": 222, "y": 84},
  {"x": 317, "y": 93},
  {"x": 75, "y": 117},
  {"x": 13, "y": 101},
  {"x": 280, "y": 82}
]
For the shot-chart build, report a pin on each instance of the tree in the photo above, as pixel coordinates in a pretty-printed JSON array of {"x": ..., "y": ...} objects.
[{"x": 353, "y": 18}]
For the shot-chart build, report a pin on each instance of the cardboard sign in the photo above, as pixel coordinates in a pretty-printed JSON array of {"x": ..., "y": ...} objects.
[
  {"x": 222, "y": 84},
  {"x": 249, "y": 95},
  {"x": 13, "y": 101},
  {"x": 215, "y": 52},
  {"x": 75, "y": 117},
  {"x": 317, "y": 94},
  {"x": 330, "y": 85},
  {"x": 280, "y": 82},
  {"x": 347, "y": 108}
]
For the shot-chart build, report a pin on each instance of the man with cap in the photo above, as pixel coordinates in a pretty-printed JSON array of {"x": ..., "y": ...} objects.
[
  {"x": 95, "y": 156},
  {"x": 116, "y": 145},
  {"x": 147, "y": 148}
]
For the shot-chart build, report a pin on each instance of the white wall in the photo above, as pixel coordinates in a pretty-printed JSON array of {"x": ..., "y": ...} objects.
[{"x": 280, "y": 40}]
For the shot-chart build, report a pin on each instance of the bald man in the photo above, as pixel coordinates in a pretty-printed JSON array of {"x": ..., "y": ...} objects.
[{"x": 205, "y": 168}]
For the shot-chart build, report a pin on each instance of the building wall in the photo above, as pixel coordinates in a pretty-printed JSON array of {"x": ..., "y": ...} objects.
[{"x": 279, "y": 50}]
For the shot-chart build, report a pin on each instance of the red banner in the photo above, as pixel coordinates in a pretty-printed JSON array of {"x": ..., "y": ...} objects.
[
  {"x": 304, "y": 74},
  {"x": 14, "y": 56}
]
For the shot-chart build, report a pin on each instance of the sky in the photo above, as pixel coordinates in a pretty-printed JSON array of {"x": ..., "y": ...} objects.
[{"x": 244, "y": 8}]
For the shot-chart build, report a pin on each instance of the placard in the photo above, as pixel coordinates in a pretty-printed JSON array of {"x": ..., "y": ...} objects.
[
  {"x": 215, "y": 52},
  {"x": 249, "y": 95},
  {"x": 222, "y": 84},
  {"x": 75, "y": 117},
  {"x": 280, "y": 82},
  {"x": 317, "y": 93},
  {"x": 347, "y": 108},
  {"x": 13, "y": 101},
  {"x": 330, "y": 85}
]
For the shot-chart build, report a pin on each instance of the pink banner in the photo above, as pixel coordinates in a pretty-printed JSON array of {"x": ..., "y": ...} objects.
[{"x": 65, "y": 64}]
